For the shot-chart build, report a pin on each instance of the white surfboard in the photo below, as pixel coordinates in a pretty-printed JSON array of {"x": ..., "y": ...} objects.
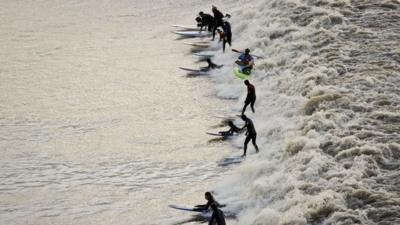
[
  {"x": 193, "y": 33},
  {"x": 199, "y": 44},
  {"x": 187, "y": 27}
]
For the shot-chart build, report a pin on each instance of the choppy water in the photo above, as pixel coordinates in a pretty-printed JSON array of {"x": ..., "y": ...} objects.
[{"x": 327, "y": 112}]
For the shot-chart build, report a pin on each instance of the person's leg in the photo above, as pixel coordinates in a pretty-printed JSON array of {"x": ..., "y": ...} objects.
[
  {"x": 254, "y": 137},
  {"x": 214, "y": 29},
  {"x": 216, "y": 25},
  {"x": 212, "y": 219},
  {"x": 229, "y": 40},
  {"x": 223, "y": 45},
  {"x": 248, "y": 138},
  {"x": 246, "y": 103},
  {"x": 252, "y": 105}
]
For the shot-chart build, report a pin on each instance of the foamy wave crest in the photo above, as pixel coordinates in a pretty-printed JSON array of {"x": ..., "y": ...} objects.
[{"x": 327, "y": 112}]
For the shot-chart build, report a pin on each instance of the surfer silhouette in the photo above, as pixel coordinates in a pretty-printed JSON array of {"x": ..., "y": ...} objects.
[
  {"x": 251, "y": 96},
  {"x": 217, "y": 216},
  {"x": 251, "y": 134}
]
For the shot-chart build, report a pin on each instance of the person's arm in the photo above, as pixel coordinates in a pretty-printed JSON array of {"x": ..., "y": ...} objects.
[
  {"x": 245, "y": 126},
  {"x": 200, "y": 207},
  {"x": 203, "y": 207}
]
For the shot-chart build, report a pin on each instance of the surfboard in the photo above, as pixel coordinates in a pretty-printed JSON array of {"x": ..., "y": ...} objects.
[
  {"x": 205, "y": 214},
  {"x": 193, "y": 33},
  {"x": 201, "y": 70},
  {"x": 231, "y": 160},
  {"x": 200, "y": 73},
  {"x": 216, "y": 134},
  {"x": 221, "y": 135},
  {"x": 200, "y": 45},
  {"x": 204, "y": 55},
  {"x": 182, "y": 208},
  {"x": 187, "y": 27},
  {"x": 239, "y": 74}
]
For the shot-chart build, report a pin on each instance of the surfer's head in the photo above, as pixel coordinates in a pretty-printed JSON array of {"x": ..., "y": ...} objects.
[
  {"x": 246, "y": 82},
  {"x": 244, "y": 117},
  {"x": 208, "y": 195},
  {"x": 230, "y": 123},
  {"x": 201, "y": 13},
  {"x": 247, "y": 51}
]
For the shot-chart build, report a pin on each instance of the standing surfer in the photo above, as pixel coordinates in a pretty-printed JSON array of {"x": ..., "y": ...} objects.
[
  {"x": 251, "y": 134},
  {"x": 228, "y": 34},
  {"x": 251, "y": 96},
  {"x": 218, "y": 20}
]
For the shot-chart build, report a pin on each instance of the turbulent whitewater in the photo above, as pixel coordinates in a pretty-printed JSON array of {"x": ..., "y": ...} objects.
[{"x": 327, "y": 112}]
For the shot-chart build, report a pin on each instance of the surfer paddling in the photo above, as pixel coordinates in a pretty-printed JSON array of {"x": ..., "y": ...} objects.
[
  {"x": 251, "y": 134},
  {"x": 217, "y": 216}
]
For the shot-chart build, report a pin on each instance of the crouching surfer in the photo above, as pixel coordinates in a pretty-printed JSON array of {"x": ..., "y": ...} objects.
[
  {"x": 217, "y": 216},
  {"x": 232, "y": 130}
]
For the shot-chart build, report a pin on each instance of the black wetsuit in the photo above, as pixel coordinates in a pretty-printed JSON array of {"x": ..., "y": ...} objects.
[
  {"x": 217, "y": 216},
  {"x": 218, "y": 20},
  {"x": 250, "y": 99},
  {"x": 207, "y": 20},
  {"x": 251, "y": 134},
  {"x": 233, "y": 129},
  {"x": 228, "y": 35}
]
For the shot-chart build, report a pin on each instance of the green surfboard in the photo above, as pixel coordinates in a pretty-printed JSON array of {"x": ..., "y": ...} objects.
[{"x": 240, "y": 75}]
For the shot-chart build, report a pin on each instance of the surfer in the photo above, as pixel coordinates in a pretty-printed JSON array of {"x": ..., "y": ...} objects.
[
  {"x": 250, "y": 98},
  {"x": 245, "y": 62},
  {"x": 251, "y": 134},
  {"x": 228, "y": 34},
  {"x": 205, "y": 20},
  {"x": 232, "y": 129},
  {"x": 217, "y": 216},
  {"x": 218, "y": 19},
  {"x": 211, "y": 65}
]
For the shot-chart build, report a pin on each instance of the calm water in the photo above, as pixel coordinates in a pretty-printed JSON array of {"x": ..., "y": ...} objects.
[{"x": 97, "y": 124}]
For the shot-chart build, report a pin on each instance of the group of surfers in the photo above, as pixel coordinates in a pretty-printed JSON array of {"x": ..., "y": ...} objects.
[{"x": 245, "y": 62}]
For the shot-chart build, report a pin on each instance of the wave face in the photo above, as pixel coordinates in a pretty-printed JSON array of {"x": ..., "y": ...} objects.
[{"x": 327, "y": 112}]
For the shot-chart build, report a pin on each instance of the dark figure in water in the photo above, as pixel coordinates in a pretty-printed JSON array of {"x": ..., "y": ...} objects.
[
  {"x": 245, "y": 62},
  {"x": 228, "y": 35},
  {"x": 232, "y": 129},
  {"x": 205, "y": 20},
  {"x": 251, "y": 96},
  {"x": 251, "y": 134},
  {"x": 217, "y": 216},
  {"x": 212, "y": 65},
  {"x": 218, "y": 19}
]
